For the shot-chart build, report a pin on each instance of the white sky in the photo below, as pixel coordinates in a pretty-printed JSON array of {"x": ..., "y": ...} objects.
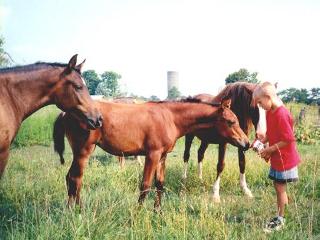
[{"x": 203, "y": 40}]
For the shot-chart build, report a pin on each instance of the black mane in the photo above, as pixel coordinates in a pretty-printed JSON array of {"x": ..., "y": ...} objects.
[
  {"x": 30, "y": 67},
  {"x": 189, "y": 100}
]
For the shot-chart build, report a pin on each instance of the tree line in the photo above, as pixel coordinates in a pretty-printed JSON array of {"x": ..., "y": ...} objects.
[{"x": 107, "y": 84}]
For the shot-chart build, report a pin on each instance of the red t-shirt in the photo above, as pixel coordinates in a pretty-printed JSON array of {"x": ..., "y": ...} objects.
[{"x": 280, "y": 128}]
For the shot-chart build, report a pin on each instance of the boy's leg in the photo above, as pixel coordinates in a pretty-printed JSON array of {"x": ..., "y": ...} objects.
[{"x": 282, "y": 198}]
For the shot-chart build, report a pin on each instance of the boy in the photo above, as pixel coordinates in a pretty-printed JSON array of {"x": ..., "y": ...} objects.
[{"x": 281, "y": 151}]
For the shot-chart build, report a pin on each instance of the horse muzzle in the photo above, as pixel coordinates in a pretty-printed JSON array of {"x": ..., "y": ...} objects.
[
  {"x": 244, "y": 145},
  {"x": 95, "y": 123}
]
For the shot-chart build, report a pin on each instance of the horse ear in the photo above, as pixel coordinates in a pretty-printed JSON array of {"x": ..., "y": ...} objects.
[
  {"x": 226, "y": 103},
  {"x": 79, "y": 66},
  {"x": 73, "y": 61}
]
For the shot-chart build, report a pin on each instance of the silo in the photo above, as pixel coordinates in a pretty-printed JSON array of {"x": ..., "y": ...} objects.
[{"x": 173, "y": 80}]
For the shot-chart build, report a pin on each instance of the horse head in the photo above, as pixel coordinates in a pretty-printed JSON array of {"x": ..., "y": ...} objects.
[
  {"x": 71, "y": 95},
  {"x": 228, "y": 125}
]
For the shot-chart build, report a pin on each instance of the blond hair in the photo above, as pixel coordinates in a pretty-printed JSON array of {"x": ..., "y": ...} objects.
[{"x": 264, "y": 89}]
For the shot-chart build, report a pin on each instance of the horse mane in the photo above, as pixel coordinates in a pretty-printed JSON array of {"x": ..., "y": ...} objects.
[
  {"x": 239, "y": 92},
  {"x": 236, "y": 89},
  {"x": 31, "y": 67},
  {"x": 241, "y": 100}
]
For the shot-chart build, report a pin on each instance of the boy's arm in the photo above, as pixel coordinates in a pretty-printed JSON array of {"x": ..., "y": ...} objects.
[{"x": 267, "y": 152}]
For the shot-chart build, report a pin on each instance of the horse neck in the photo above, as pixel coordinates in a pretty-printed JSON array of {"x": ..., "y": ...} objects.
[
  {"x": 189, "y": 117},
  {"x": 29, "y": 91}
]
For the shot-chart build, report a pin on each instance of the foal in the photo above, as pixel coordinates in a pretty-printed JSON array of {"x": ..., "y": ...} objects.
[
  {"x": 150, "y": 129},
  {"x": 247, "y": 114}
]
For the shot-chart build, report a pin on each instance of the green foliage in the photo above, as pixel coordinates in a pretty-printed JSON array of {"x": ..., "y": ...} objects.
[
  {"x": 107, "y": 84},
  {"x": 92, "y": 80},
  {"x": 294, "y": 95},
  {"x": 173, "y": 93},
  {"x": 314, "y": 96},
  {"x": 154, "y": 98},
  {"x": 307, "y": 134},
  {"x": 4, "y": 61},
  {"x": 109, "y": 87},
  {"x": 37, "y": 129},
  {"x": 243, "y": 75},
  {"x": 302, "y": 95},
  {"x": 306, "y": 129}
]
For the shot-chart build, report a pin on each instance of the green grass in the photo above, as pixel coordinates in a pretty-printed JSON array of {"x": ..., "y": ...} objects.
[
  {"x": 33, "y": 199},
  {"x": 37, "y": 129}
]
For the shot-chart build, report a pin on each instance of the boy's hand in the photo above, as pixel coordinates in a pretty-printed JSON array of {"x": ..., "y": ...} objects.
[{"x": 266, "y": 153}]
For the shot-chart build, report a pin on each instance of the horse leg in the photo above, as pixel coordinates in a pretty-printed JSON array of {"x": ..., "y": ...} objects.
[
  {"x": 138, "y": 158},
  {"x": 4, "y": 155},
  {"x": 75, "y": 174},
  {"x": 122, "y": 161},
  {"x": 220, "y": 167},
  {"x": 242, "y": 166},
  {"x": 186, "y": 155},
  {"x": 150, "y": 165},
  {"x": 203, "y": 147},
  {"x": 159, "y": 182}
]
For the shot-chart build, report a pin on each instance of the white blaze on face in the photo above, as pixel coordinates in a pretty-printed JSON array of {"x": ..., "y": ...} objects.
[
  {"x": 262, "y": 124},
  {"x": 83, "y": 81}
]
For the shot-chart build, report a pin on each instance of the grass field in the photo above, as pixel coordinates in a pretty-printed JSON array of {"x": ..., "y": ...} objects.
[
  {"x": 33, "y": 195},
  {"x": 33, "y": 199}
]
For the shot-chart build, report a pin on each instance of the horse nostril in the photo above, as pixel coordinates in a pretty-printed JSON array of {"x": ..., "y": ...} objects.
[
  {"x": 244, "y": 145},
  {"x": 247, "y": 146},
  {"x": 91, "y": 122},
  {"x": 99, "y": 121}
]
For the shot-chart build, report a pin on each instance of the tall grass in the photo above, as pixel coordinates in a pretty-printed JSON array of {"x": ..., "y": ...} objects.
[
  {"x": 33, "y": 194},
  {"x": 37, "y": 129}
]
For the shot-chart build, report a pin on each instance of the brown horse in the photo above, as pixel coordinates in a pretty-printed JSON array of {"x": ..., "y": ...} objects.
[
  {"x": 248, "y": 115},
  {"x": 150, "y": 129},
  {"x": 25, "y": 89}
]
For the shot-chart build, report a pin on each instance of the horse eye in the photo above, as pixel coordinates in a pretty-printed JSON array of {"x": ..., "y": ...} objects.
[
  {"x": 78, "y": 87},
  {"x": 230, "y": 123}
]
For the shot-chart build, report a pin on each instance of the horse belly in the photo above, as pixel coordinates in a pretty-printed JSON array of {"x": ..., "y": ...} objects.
[{"x": 122, "y": 142}]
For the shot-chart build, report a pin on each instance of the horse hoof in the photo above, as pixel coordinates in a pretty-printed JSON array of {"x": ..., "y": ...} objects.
[
  {"x": 248, "y": 193},
  {"x": 216, "y": 198},
  {"x": 157, "y": 210}
]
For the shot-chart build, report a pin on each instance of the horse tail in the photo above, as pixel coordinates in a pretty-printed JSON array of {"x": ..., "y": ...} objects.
[{"x": 58, "y": 136}]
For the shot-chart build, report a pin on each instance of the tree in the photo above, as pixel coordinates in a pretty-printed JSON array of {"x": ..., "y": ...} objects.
[
  {"x": 173, "y": 93},
  {"x": 4, "y": 61},
  {"x": 154, "y": 98},
  {"x": 294, "y": 94},
  {"x": 314, "y": 96},
  {"x": 288, "y": 95},
  {"x": 242, "y": 75},
  {"x": 109, "y": 86},
  {"x": 302, "y": 96},
  {"x": 92, "y": 80}
]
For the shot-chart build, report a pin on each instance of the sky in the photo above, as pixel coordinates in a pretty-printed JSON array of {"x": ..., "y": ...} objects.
[{"x": 204, "y": 40}]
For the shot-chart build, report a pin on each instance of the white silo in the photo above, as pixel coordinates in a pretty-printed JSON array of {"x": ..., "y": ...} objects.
[{"x": 173, "y": 80}]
